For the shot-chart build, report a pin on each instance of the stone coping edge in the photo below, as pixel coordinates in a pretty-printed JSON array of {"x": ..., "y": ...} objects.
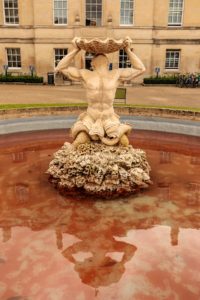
[
  {"x": 76, "y": 110},
  {"x": 185, "y": 127}
]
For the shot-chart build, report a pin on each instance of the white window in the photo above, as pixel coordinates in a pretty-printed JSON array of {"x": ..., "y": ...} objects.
[
  {"x": 175, "y": 13},
  {"x": 59, "y": 54},
  {"x": 11, "y": 11},
  {"x": 172, "y": 59},
  {"x": 123, "y": 59},
  {"x": 126, "y": 12},
  {"x": 60, "y": 11},
  {"x": 93, "y": 12},
  {"x": 14, "y": 57}
]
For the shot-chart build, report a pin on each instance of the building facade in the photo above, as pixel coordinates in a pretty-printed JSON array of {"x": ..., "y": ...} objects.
[{"x": 36, "y": 34}]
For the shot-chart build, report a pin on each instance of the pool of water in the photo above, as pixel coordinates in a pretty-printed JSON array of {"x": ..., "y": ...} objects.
[{"x": 142, "y": 247}]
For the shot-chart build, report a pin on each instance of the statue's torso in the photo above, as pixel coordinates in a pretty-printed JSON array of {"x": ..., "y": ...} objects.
[{"x": 100, "y": 92}]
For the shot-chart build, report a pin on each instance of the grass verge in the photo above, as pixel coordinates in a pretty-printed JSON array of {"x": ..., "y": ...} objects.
[{"x": 47, "y": 105}]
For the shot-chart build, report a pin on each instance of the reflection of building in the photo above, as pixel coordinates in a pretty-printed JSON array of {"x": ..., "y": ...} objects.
[
  {"x": 195, "y": 160},
  {"x": 38, "y": 33},
  {"x": 22, "y": 192},
  {"x": 165, "y": 157},
  {"x": 193, "y": 193},
  {"x": 163, "y": 191},
  {"x": 18, "y": 156},
  {"x": 7, "y": 233}
]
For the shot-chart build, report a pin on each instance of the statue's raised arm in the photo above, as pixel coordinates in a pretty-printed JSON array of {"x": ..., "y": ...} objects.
[
  {"x": 64, "y": 65},
  {"x": 137, "y": 67}
]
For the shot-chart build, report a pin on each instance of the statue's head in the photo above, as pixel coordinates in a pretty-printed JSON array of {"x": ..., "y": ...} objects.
[{"x": 99, "y": 60}]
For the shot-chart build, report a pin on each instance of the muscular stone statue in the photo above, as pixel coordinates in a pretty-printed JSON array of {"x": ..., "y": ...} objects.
[
  {"x": 100, "y": 162},
  {"x": 100, "y": 122}
]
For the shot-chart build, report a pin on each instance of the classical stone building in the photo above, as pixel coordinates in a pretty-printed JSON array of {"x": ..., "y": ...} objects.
[{"x": 165, "y": 33}]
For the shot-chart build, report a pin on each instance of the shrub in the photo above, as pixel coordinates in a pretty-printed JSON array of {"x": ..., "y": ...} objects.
[
  {"x": 21, "y": 78},
  {"x": 160, "y": 80}
]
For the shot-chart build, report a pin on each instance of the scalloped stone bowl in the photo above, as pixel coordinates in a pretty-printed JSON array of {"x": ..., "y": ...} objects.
[{"x": 98, "y": 46}]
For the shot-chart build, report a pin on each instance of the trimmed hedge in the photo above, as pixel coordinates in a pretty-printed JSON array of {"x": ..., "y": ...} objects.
[
  {"x": 21, "y": 78},
  {"x": 160, "y": 80}
]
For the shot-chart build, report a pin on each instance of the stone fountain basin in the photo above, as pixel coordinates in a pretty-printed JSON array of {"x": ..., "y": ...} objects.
[
  {"x": 156, "y": 231},
  {"x": 187, "y": 127}
]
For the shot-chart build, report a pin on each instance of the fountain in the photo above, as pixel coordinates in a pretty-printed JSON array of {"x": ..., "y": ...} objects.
[
  {"x": 57, "y": 247},
  {"x": 100, "y": 160}
]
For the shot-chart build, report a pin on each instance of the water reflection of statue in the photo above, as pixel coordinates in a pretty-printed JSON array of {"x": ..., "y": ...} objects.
[
  {"x": 100, "y": 269},
  {"x": 100, "y": 122},
  {"x": 98, "y": 257}
]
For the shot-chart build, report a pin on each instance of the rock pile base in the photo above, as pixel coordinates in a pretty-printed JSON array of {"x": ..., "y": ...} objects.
[{"x": 100, "y": 170}]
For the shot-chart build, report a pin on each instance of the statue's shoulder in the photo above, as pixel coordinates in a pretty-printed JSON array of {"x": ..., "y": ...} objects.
[
  {"x": 115, "y": 73},
  {"x": 85, "y": 72}
]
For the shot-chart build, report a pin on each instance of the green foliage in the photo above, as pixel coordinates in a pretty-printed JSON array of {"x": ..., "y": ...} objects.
[
  {"x": 21, "y": 78},
  {"x": 161, "y": 80}
]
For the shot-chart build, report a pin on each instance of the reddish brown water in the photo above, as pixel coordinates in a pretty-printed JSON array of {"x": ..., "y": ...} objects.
[{"x": 143, "y": 247}]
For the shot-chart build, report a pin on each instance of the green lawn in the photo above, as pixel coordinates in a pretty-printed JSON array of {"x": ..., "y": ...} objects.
[
  {"x": 39, "y": 105},
  {"x": 43, "y": 105}
]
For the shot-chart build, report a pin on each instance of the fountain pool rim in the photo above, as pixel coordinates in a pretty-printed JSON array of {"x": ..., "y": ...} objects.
[{"x": 165, "y": 125}]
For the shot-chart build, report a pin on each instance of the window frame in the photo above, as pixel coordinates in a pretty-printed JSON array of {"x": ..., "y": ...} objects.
[
  {"x": 11, "y": 67},
  {"x": 102, "y": 10},
  {"x": 130, "y": 24},
  {"x": 60, "y": 24},
  {"x": 88, "y": 56},
  {"x": 4, "y": 15},
  {"x": 55, "y": 65},
  {"x": 179, "y": 59},
  {"x": 125, "y": 63},
  {"x": 176, "y": 11}
]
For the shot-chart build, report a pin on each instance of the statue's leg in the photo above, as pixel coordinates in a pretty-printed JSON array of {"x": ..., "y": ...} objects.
[
  {"x": 124, "y": 141},
  {"x": 81, "y": 138}
]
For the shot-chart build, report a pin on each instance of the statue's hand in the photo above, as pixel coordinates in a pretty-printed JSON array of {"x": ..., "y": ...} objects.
[
  {"x": 75, "y": 41},
  {"x": 127, "y": 42}
]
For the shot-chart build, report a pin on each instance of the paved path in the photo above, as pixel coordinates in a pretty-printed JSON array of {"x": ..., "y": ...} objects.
[{"x": 159, "y": 96}]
